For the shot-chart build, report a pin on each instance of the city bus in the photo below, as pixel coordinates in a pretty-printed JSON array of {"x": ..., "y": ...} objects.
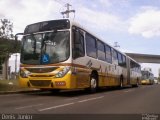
[
  {"x": 147, "y": 78},
  {"x": 63, "y": 55}
]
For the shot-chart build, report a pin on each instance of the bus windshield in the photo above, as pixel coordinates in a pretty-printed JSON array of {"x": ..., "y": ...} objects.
[{"x": 45, "y": 48}]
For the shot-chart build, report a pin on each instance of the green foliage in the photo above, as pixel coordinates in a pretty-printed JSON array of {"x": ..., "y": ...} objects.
[
  {"x": 6, "y": 29},
  {"x": 8, "y": 45}
]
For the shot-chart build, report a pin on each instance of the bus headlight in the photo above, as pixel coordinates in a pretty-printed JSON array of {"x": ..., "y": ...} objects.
[
  {"x": 63, "y": 72},
  {"x": 24, "y": 74}
]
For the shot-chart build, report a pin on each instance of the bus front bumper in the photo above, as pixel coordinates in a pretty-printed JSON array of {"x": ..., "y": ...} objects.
[{"x": 66, "y": 82}]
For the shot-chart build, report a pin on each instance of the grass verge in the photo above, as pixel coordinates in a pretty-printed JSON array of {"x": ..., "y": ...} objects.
[{"x": 11, "y": 86}]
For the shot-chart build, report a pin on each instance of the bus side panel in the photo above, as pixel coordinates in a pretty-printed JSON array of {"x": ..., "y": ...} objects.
[
  {"x": 82, "y": 77},
  {"x": 81, "y": 72}
]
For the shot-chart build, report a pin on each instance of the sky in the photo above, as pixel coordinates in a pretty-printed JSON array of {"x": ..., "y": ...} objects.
[{"x": 134, "y": 24}]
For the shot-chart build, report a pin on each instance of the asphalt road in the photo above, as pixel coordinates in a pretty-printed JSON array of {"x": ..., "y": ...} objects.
[{"x": 144, "y": 99}]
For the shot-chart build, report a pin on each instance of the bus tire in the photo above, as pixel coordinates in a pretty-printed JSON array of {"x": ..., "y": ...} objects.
[
  {"x": 121, "y": 83},
  {"x": 137, "y": 84},
  {"x": 93, "y": 84}
]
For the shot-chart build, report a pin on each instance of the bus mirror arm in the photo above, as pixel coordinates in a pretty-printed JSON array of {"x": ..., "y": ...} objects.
[{"x": 16, "y": 39}]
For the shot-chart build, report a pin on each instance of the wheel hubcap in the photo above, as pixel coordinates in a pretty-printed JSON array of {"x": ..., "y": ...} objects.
[
  {"x": 93, "y": 83},
  {"x": 121, "y": 84},
  {"x": 137, "y": 84}
]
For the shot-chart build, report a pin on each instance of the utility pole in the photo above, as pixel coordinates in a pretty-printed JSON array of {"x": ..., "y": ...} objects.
[{"x": 68, "y": 11}]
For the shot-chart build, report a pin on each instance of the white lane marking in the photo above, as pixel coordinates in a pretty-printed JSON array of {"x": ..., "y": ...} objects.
[
  {"x": 29, "y": 106},
  {"x": 91, "y": 99},
  {"x": 128, "y": 90},
  {"x": 58, "y": 106},
  {"x": 71, "y": 99}
]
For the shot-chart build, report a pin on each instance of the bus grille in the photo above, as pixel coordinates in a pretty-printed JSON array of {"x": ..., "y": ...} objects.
[
  {"x": 41, "y": 75},
  {"x": 40, "y": 82},
  {"x": 42, "y": 70}
]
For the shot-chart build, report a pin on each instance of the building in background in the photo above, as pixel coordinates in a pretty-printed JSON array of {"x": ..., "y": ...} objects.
[{"x": 10, "y": 68}]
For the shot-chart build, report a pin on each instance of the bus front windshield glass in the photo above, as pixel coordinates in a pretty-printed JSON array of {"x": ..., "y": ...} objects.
[{"x": 45, "y": 48}]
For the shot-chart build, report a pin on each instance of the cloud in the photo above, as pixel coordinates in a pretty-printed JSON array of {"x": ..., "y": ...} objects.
[
  {"x": 146, "y": 23},
  {"x": 105, "y": 3},
  {"x": 99, "y": 20},
  {"x": 24, "y": 12}
]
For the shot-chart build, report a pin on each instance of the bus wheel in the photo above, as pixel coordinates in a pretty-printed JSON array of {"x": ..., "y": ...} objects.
[
  {"x": 121, "y": 82},
  {"x": 136, "y": 85},
  {"x": 93, "y": 85}
]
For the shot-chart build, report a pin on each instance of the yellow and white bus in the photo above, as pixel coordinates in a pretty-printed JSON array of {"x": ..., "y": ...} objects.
[
  {"x": 147, "y": 78},
  {"x": 61, "y": 54}
]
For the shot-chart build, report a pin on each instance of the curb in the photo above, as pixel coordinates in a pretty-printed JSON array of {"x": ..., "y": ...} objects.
[{"x": 19, "y": 91}]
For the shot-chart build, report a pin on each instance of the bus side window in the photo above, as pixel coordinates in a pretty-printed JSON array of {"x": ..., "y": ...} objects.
[
  {"x": 131, "y": 65},
  {"x": 101, "y": 50},
  {"x": 120, "y": 62},
  {"x": 124, "y": 60},
  {"x": 114, "y": 57},
  {"x": 91, "y": 46},
  {"x": 78, "y": 43},
  {"x": 108, "y": 54}
]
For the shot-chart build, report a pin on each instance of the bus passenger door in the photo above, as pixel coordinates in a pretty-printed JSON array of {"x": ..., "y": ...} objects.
[{"x": 78, "y": 55}]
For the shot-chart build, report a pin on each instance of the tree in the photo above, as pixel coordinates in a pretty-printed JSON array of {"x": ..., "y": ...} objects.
[
  {"x": 7, "y": 42},
  {"x": 6, "y": 29},
  {"x": 6, "y": 34}
]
